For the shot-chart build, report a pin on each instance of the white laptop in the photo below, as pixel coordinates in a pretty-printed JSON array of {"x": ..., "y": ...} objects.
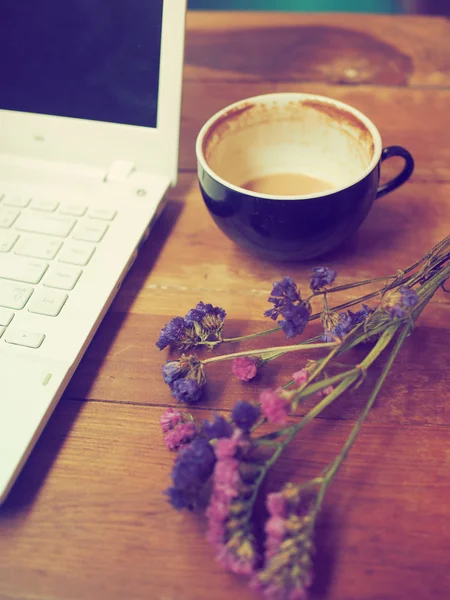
[{"x": 90, "y": 96}]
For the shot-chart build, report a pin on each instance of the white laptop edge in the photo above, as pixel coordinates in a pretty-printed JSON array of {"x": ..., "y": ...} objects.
[
  {"x": 44, "y": 137},
  {"x": 40, "y": 144}
]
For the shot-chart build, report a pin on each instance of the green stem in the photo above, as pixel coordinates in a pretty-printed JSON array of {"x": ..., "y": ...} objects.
[
  {"x": 252, "y": 336},
  {"x": 331, "y": 472},
  {"x": 314, "y": 373},
  {"x": 411, "y": 280},
  {"x": 291, "y": 433},
  {"x": 348, "y": 379},
  {"x": 310, "y": 390},
  {"x": 274, "y": 350}
]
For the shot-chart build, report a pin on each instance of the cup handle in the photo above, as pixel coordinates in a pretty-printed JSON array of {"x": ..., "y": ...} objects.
[{"x": 404, "y": 174}]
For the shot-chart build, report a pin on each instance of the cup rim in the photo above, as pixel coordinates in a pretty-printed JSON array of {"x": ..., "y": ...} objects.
[{"x": 286, "y": 97}]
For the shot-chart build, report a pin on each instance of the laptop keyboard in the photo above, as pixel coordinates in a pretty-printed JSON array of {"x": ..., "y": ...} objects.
[{"x": 47, "y": 243}]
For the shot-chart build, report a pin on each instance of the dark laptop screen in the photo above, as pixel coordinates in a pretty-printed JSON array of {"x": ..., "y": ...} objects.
[{"x": 88, "y": 59}]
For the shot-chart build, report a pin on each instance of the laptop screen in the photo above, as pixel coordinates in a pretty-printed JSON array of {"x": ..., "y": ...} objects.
[{"x": 87, "y": 59}]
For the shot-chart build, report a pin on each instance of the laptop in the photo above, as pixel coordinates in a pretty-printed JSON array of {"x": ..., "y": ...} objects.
[{"x": 90, "y": 94}]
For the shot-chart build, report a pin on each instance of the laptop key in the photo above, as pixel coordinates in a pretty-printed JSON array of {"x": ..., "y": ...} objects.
[
  {"x": 19, "y": 337},
  {"x": 103, "y": 214},
  {"x": 7, "y": 240},
  {"x": 16, "y": 200},
  {"x": 14, "y": 295},
  {"x": 38, "y": 247},
  {"x": 50, "y": 225},
  {"x": 7, "y": 217},
  {"x": 47, "y": 302},
  {"x": 73, "y": 210},
  {"x": 6, "y": 316},
  {"x": 62, "y": 277},
  {"x": 89, "y": 232},
  {"x": 44, "y": 205},
  {"x": 26, "y": 270},
  {"x": 76, "y": 253}
]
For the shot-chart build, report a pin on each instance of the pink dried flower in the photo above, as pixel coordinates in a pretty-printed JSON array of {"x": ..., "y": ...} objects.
[
  {"x": 287, "y": 569},
  {"x": 226, "y": 478},
  {"x": 275, "y": 406},
  {"x": 245, "y": 367},
  {"x": 237, "y": 563},
  {"x": 170, "y": 418},
  {"x": 301, "y": 377},
  {"x": 226, "y": 447},
  {"x": 180, "y": 435},
  {"x": 328, "y": 390},
  {"x": 276, "y": 504},
  {"x": 275, "y": 529},
  {"x": 232, "y": 537}
]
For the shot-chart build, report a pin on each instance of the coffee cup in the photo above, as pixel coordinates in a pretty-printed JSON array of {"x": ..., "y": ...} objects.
[{"x": 290, "y": 176}]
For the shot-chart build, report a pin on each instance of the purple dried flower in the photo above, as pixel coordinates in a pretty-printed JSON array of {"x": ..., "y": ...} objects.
[
  {"x": 285, "y": 288},
  {"x": 398, "y": 302},
  {"x": 336, "y": 325},
  {"x": 172, "y": 333},
  {"x": 360, "y": 315},
  {"x": 202, "y": 324},
  {"x": 245, "y": 415},
  {"x": 171, "y": 371},
  {"x": 284, "y": 293},
  {"x": 193, "y": 467},
  {"x": 219, "y": 428},
  {"x": 209, "y": 316},
  {"x": 178, "y": 498},
  {"x": 409, "y": 296},
  {"x": 321, "y": 277},
  {"x": 344, "y": 325},
  {"x": 195, "y": 314},
  {"x": 296, "y": 317},
  {"x": 187, "y": 390},
  {"x": 288, "y": 304}
]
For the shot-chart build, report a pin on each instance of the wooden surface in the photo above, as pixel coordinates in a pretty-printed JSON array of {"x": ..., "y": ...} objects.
[{"x": 87, "y": 518}]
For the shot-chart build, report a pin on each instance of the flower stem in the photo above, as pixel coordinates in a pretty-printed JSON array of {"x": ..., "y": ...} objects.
[
  {"x": 331, "y": 472},
  {"x": 351, "y": 377},
  {"x": 268, "y": 351},
  {"x": 252, "y": 336}
]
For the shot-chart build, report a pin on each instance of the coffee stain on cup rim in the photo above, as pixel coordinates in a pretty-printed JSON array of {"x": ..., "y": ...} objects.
[
  {"x": 221, "y": 126},
  {"x": 241, "y": 114},
  {"x": 224, "y": 123},
  {"x": 339, "y": 115}
]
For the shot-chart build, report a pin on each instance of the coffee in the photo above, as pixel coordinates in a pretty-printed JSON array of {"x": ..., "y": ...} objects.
[{"x": 287, "y": 184}]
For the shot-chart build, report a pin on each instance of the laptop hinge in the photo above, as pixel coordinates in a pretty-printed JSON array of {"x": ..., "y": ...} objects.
[{"x": 119, "y": 171}]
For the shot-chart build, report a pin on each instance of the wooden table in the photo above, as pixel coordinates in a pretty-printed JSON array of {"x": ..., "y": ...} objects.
[{"x": 87, "y": 518}]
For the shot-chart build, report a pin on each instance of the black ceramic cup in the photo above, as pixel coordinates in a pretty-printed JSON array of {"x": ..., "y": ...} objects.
[{"x": 291, "y": 176}]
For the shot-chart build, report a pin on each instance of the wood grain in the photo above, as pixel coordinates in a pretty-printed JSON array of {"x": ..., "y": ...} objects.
[
  {"x": 335, "y": 48},
  {"x": 100, "y": 527},
  {"x": 87, "y": 519}
]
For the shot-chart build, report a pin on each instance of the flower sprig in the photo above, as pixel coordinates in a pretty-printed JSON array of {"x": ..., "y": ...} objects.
[{"x": 236, "y": 454}]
